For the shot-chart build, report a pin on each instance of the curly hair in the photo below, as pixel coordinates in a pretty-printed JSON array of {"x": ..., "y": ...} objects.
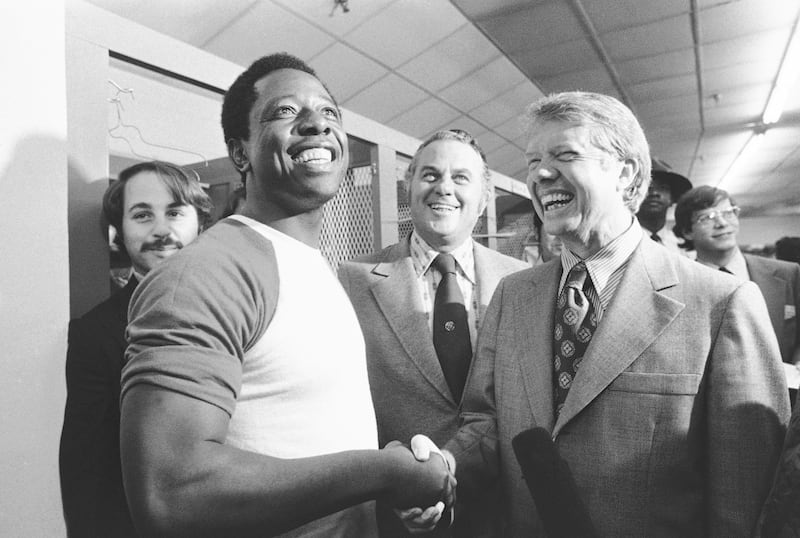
[
  {"x": 693, "y": 200},
  {"x": 184, "y": 188},
  {"x": 241, "y": 96},
  {"x": 614, "y": 129}
]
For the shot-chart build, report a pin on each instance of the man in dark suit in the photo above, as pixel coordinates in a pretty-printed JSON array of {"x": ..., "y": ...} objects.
[
  {"x": 636, "y": 361},
  {"x": 707, "y": 219},
  {"x": 394, "y": 294},
  {"x": 155, "y": 209},
  {"x": 665, "y": 188}
]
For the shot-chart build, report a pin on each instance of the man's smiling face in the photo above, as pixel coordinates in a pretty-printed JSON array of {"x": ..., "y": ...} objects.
[
  {"x": 447, "y": 193},
  {"x": 576, "y": 187}
]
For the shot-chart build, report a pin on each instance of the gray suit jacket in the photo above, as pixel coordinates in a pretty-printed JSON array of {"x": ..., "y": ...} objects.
[
  {"x": 779, "y": 282},
  {"x": 675, "y": 421},
  {"x": 408, "y": 388}
]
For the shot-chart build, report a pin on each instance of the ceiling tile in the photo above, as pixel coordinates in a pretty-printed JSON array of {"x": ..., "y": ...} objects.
[
  {"x": 595, "y": 80},
  {"x": 675, "y": 63},
  {"x": 511, "y": 129},
  {"x": 609, "y": 15},
  {"x": 508, "y": 105},
  {"x": 763, "y": 46},
  {"x": 481, "y": 9},
  {"x": 425, "y": 117},
  {"x": 560, "y": 58},
  {"x": 537, "y": 27},
  {"x": 507, "y": 159},
  {"x": 649, "y": 39},
  {"x": 741, "y": 114},
  {"x": 725, "y": 20},
  {"x": 386, "y": 98},
  {"x": 451, "y": 59},
  {"x": 490, "y": 141},
  {"x": 483, "y": 85},
  {"x": 265, "y": 29},
  {"x": 668, "y": 108},
  {"x": 665, "y": 88},
  {"x": 326, "y": 15},
  {"x": 361, "y": 71},
  {"x": 190, "y": 21},
  {"x": 744, "y": 74},
  {"x": 468, "y": 124},
  {"x": 405, "y": 29}
]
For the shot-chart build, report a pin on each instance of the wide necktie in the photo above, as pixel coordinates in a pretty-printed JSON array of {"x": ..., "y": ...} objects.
[
  {"x": 574, "y": 326},
  {"x": 451, "y": 327}
]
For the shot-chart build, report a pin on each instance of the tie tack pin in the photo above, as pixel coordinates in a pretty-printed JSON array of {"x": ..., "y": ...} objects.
[{"x": 449, "y": 326}]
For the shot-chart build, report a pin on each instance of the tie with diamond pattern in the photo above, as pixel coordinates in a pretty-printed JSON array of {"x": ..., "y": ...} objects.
[
  {"x": 450, "y": 327},
  {"x": 575, "y": 324}
]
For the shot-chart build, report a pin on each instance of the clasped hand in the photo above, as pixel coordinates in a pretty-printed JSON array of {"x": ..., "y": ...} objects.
[{"x": 416, "y": 492}]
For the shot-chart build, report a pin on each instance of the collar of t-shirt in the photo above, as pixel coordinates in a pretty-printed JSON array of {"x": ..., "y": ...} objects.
[
  {"x": 422, "y": 256},
  {"x": 737, "y": 265},
  {"x": 605, "y": 267}
]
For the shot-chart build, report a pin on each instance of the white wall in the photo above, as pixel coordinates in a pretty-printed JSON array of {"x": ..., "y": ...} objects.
[
  {"x": 34, "y": 298},
  {"x": 767, "y": 230}
]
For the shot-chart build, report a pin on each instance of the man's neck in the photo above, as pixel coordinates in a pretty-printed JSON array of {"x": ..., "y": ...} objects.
[
  {"x": 305, "y": 227},
  {"x": 652, "y": 223},
  {"x": 720, "y": 258}
]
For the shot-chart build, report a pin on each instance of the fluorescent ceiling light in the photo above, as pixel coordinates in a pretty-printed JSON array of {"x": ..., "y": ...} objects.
[
  {"x": 747, "y": 152},
  {"x": 787, "y": 74}
]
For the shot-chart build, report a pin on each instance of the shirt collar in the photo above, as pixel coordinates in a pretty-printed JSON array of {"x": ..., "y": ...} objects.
[
  {"x": 422, "y": 255},
  {"x": 737, "y": 265},
  {"x": 602, "y": 264}
]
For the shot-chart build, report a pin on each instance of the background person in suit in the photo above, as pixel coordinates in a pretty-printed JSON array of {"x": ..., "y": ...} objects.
[
  {"x": 707, "y": 219},
  {"x": 637, "y": 360},
  {"x": 156, "y": 209},
  {"x": 393, "y": 292}
]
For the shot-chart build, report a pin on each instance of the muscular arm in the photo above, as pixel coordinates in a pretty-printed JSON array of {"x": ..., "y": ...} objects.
[
  {"x": 748, "y": 409},
  {"x": 181, "y": 479}
]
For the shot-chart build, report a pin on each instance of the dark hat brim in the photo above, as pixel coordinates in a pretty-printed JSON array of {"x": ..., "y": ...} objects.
[{"x": 678, "y": 185}]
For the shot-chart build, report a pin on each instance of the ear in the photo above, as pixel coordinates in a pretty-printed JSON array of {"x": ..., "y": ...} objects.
[
  {"x": 238, "y": 154},
  {"x": 627, "y": 175},
  {"x": 486, "y": 197}
]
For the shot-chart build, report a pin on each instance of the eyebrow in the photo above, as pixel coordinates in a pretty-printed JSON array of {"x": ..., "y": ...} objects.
[{"x": 145, "y": 205}]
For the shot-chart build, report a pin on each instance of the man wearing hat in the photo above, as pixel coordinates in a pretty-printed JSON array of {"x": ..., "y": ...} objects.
[{"x": 665, "y": 189}]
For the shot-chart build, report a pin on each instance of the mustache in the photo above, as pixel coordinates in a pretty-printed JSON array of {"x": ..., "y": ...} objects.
[{"x": 161, "y": 244}]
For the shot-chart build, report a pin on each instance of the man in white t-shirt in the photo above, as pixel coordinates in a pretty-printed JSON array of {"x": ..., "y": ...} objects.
[{"x": 245, "y": 402}]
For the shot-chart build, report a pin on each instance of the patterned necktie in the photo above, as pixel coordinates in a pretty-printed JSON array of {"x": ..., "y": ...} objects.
[
  {"x": 575, "y": 324},
  {"x": 451, "y": 327}
]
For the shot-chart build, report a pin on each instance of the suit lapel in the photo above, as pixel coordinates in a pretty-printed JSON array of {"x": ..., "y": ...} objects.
[
  {"x": 395, "y": 293},
  {"x": 534, "y": 305},
  {"x": 638, "y": 313},
  {"x": 772, "y": 288}
]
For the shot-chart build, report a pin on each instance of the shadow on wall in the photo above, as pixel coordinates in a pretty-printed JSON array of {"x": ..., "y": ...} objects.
[{"x": 34, "y": 313}]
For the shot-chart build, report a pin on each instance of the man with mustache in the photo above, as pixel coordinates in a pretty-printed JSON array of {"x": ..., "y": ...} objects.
[
  {"x": 246, "y": 408},
  {"x": 155, "y": 209}
]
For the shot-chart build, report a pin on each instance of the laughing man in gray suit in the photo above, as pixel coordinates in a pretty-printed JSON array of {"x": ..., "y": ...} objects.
[{"x": 394, "y": 295}]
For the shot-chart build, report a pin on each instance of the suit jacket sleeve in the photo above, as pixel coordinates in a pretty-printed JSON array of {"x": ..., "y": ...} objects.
[
  {"x": 475, "y": 445},
  {"x": 795, "y": 284},
  {"x": 82, "y": 439},
  {"x": 748, "y": 408}
]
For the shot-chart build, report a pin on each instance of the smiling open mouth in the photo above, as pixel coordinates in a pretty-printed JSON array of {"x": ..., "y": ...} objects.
[
  {"x": 313, "y": 155},
  {"x": 442, "y": 207},
  {"x": 556, "y": 201}
]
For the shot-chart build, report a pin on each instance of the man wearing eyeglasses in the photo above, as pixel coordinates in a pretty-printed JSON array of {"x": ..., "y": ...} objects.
[{"x": 708, "y": 221}]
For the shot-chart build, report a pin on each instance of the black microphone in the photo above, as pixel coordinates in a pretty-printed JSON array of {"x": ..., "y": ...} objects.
[{"x": 552, "y": 486}]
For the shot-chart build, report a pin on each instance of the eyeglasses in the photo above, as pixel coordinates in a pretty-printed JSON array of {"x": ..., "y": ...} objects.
[{"x": 728, "y": 215}]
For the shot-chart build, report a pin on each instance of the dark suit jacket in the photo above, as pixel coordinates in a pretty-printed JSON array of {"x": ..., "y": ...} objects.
[
  {"x": 408, "y": 388},
  {"x": 779, "y": 282},
  {"x": 89, "y": 460},
  {"x": 675, "y": 420}
]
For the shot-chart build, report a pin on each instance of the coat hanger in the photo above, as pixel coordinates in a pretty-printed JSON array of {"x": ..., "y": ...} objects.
[{"x": 116, "y": 131}]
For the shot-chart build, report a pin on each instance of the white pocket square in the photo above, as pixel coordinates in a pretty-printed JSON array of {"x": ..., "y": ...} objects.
[{"x": 788, "y": 311}]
